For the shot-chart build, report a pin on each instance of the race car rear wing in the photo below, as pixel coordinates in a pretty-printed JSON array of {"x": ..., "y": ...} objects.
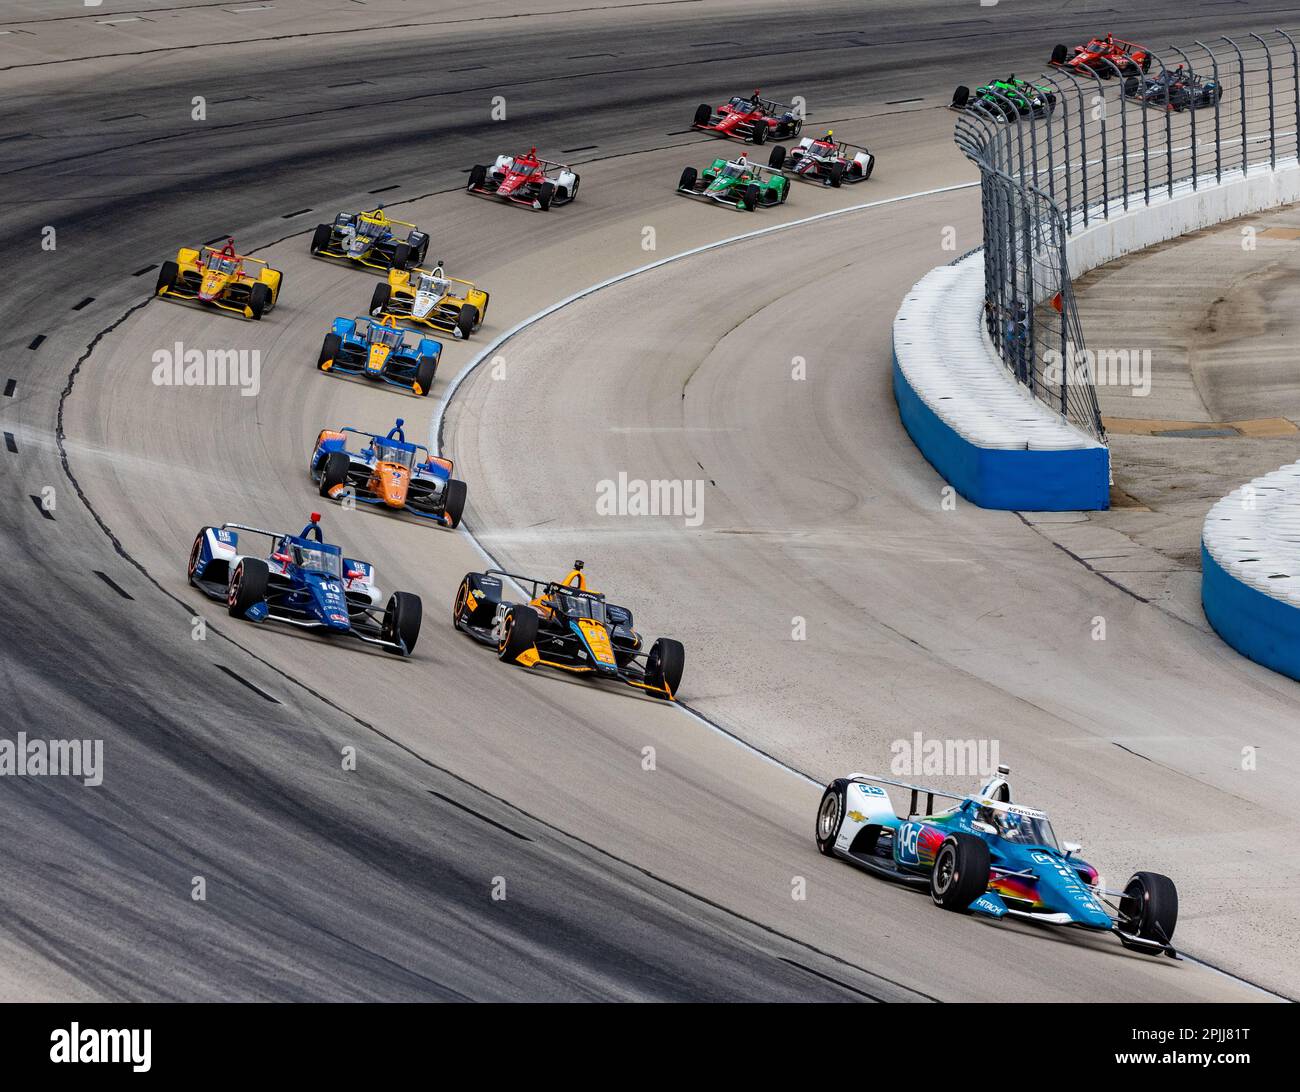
[
  {"x": 915, "y": 790},
  {"x": 534, "y": 583}
]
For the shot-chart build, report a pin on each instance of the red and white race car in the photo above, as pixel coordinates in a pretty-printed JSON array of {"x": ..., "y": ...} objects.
[
  {"x": 824, "y": 159},
  {"x": 525, "y": 180},
  {"x": 1102, "y": 56},
  {"x": 749, "y": 117}
]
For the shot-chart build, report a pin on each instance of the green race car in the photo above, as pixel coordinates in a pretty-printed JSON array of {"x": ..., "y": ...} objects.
[
  {"x": 736, "y": 182},
  {"x": 1007, "y": 100}
]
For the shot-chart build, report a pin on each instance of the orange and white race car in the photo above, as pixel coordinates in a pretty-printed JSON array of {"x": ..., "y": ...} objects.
[{"x": 221, "y": 278}]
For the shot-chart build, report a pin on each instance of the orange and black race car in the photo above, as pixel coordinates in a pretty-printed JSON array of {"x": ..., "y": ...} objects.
[
  {"x": 221, "y": 278},
  {"x": 565, "y": 624}
]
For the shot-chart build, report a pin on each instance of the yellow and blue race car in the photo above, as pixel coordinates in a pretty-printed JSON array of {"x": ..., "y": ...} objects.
[{"x": 370, "y": 239}]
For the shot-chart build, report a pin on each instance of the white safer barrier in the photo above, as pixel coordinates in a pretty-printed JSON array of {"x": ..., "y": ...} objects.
[
  {"x": 1250, "y": 569},
  {"x": 997, "y": 444}
]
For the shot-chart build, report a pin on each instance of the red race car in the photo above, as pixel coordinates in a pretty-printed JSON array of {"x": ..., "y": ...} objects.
[
  {"x": 525, "y": 180},
  {"x": 749, "y": 117},
  {"x": 1129, "y": 58}
]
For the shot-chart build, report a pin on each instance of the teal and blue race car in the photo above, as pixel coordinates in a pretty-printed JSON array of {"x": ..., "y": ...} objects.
[
  {"x": 304, "y": 581},
  {"x": 988, "y": 856},
  {"x": 380, "y": 350},
  {"x": 738, "y": 182}
]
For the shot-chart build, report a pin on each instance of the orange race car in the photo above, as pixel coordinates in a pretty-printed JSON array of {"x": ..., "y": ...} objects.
[{"x": 219, "y": 277}]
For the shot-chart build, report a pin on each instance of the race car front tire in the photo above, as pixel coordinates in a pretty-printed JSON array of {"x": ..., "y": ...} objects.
[
  {"x": 1149, "y": 909},
  {"x": 195, "y": 552},
  {"x": 167, "y": 276},
  {"x": 477, "y": 176},
  {"x": 329, "y": 349},
  {"x": 1059, "y": 53},
  {"x": 379, "y": 298},
  {"x": 687, "y": 180},
  {"x": 320, "y": 238},
  {"x": 830, "y": 816},
  {"x": 247, "y": 586},
  {"x": 402, "y": 619},
  {"x": 750, "y": 197},
  {"x": 664, "y": 665},
  {"x": 401, "y": 256},
  {"x": 454, "y": 504},
  {"x": 466, "y": 320},
  {"x": 545, "y": 195},
  {"x": 424, "y": 374},
  {"x": 777, "y": 159},
  {"x": 837, "y": 175},
  {"x": 703, "y": 114},
  {"x": 961, "y": 96},
  {"x": 334, "y": 471},
  {"x": 519, "y": 633},
  {"x": 259, "y": 300},
  {"x": 961, "y": 872},
  {"x": 758, "y": 134}
]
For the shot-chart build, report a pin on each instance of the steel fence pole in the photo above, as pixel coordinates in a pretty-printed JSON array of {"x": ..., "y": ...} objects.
[
  {"x": 1192, "y": 73},
  {"x": 1218, "y": 140},
  {"x": 1051, "y": 142},
  {"x": 1083, "y": 148},
  {"x": 1123, "y": 128},
  {"x": 1272, "y": 125},
  {"x": 1295, "y": 84},
  {"x": 1241, "y": 94}
]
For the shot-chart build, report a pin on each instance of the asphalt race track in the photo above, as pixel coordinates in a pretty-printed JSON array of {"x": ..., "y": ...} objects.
[{"x": 224, "y": 757}]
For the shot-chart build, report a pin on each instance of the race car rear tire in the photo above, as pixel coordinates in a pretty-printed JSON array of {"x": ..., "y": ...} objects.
[
  {"x": 961, "y": 96},
  {"x": 664, "y": 665},
  {"x": 758, "y": 134},
  {"x": 401, "y": 256},
  {"x": 259, "y": 299},
  {"x": 334, "y": 471},
  {"x": 477, "y": 176},
  {"x": 830, "y": 816},
  {"x": 837, "y": 175},
  {"x": 961, "y": 872},
  {"x": 467, "y": 320},
  {"x": 454, "y": 505},
  {"x": 519, "y": 633},
  {"x": 777, "y": 159},
  {"x": 546, "y": 195},
  {"x": 320, "y": 238},
  {"x": 573, "y": 193},
  {"x": 425, "y": 373},
  {"x": 402, "y": 619},
  {"x": 247, "y": 586},
  {"x": 1150, "y": 907},
  {"x": 1059, "y": 53},
  {"x": 329, "y": 349},
  {"x": 750, "y": 197},
  {"x": 379, "y": 298},
  {"x": 703, "y": 114},
  {"x": 167, "y": 276},
  {"x": 688, "y": 179}
]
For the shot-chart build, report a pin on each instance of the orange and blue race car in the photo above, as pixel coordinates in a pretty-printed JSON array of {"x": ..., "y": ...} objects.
[
  {"x": 221, "y": 278},
  {"x": 387, "y": 471},
  {"x": 566, "y": 625},
  {"x": 381, "y": 351}
]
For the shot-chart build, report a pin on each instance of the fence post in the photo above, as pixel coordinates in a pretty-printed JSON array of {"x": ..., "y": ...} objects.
[
  {"x": 1192, "y": 73},
  {"x": 1123, "y": 128},
  {"x": 1218, "y": 142},
  {"x": 1272, "y": 124},
  {"x": 1241, "y": 94}
]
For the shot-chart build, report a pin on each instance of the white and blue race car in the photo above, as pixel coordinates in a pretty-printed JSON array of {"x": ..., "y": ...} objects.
[
  {"x": 988, "y": 856},
  {"x": 302, "y": 580}
]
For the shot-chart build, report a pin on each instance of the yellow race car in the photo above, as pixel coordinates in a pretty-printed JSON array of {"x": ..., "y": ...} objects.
[
  {"x": 219, "y": 278},
  {"x": 428, "y": 297}
]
